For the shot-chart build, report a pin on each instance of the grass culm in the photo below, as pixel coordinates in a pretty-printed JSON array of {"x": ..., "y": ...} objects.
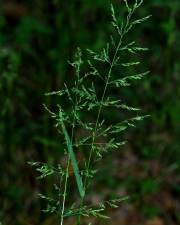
[{"x": 84, "y": 128}]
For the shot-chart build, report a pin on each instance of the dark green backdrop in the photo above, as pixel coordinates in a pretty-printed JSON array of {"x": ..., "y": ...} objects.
[{"x": 37, "y": 38}]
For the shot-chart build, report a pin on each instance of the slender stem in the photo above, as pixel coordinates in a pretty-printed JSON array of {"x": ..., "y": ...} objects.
[
  {"x": 100, "y": 108},
  {"x": 68, "y": 162},
  {"x": 97, "y": 121},
  {"x": 101, "y": 105},
  {"x": 65, "y": 190},
  {"x": 124, "y": 31}
]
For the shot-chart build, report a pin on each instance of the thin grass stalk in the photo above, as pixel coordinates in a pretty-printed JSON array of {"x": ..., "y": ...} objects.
[{"x": 72, "y": 137}]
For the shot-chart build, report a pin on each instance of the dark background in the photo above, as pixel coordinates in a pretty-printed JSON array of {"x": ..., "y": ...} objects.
[{"x": 37, "y": 38}]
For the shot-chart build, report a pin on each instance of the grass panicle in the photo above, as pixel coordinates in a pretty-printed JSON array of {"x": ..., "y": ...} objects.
[{"x": 97, "y": 137}]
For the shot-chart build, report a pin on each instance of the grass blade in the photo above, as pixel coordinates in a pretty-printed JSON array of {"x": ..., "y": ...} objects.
[{"x": 73, "y": 161}]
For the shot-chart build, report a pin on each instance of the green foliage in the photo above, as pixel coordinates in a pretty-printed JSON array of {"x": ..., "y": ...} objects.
[
  {"x": 36, "y": 39},
  {"x": 151, "y": 211},
  {"x": 83, "y": 96}
]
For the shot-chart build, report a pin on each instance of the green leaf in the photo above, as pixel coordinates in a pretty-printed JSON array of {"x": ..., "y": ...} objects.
[{"x": 73, "y": 160}]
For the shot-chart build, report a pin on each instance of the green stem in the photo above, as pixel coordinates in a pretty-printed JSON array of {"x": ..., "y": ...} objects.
[
  {"x": 97, "y": 121},
  {"x": 71, "y": 155},
  {"x": 102, "y": 99},
  {"x": 124, "y": 31},
  {"x": 65, "y": 190}
]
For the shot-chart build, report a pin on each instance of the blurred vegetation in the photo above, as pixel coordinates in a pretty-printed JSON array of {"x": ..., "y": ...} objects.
[{"x": 37, "y": 38}]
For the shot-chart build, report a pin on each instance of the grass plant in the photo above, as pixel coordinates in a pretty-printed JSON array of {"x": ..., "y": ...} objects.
[{"x": 81, "y": 121}]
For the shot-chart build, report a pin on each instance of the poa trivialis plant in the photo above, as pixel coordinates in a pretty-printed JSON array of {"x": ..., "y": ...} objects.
[{"x": 92, "y": 137}]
